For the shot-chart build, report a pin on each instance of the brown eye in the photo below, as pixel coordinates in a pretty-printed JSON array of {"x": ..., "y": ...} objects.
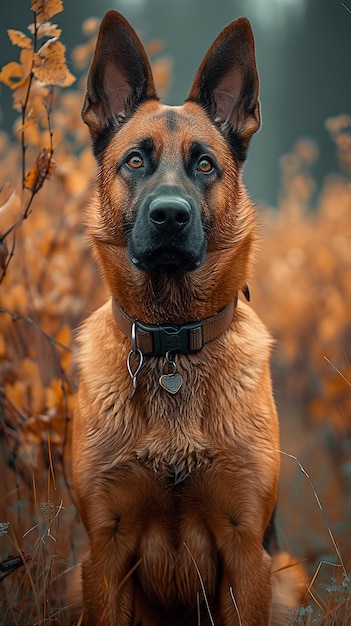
[
  {"x": 135, "y": 161},
  {"x": 205, "y": 165}
]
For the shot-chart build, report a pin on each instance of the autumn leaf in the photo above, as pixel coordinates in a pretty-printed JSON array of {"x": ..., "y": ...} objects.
[
  {"x": 12, "y": 75},
  {"x": 162, "y": 73},
  {"x": 69, "y": 80},
  {"x": 16, "y": 76},
  {"x": 43, "y": 167},
  {"x": 90, "y": 26},
  {"x": 45, "y": 30},
  {"x": 36, "y": 106},
  {"x": 50, "y": 64},
  {"x": 16, "y": 393},
  {"x": 9, "y": 212},
  {"x": 45, "y": 9},
  {"x": 18, "y": 38},
  {"x": 81, "y": 55},
  {"x": 27, "y": 124},
  {"x": 26, "y": 60},
  {"x": 155, "y": 46}
]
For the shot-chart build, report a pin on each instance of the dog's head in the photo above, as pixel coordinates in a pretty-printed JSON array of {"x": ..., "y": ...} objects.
[{"x": 172, "y": 215}]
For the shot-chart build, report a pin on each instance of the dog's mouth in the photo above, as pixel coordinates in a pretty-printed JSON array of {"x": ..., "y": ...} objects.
[{"x": 168, "y": 259}]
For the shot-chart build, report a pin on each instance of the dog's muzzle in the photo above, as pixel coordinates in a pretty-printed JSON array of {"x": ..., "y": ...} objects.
[{"x": 167, "y": 233}]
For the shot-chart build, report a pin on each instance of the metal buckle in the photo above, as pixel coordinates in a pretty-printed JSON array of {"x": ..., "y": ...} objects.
[{"x": 170, "y": 338}]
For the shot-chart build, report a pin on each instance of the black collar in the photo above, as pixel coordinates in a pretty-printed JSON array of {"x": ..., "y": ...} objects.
[{"x": 158, "y": 339}]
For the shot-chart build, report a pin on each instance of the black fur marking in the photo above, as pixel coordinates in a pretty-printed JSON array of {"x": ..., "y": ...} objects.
[
  {"x": 236, "y": 144},
  {"x": 102, "y": 141},
  {"x": 171, "y": 121}
]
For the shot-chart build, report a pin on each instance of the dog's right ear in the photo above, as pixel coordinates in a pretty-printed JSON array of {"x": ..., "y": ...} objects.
[{"x": 120, "y": 79}]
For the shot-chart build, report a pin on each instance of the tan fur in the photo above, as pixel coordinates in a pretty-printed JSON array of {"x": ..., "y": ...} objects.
[
  {"x": 289, "y": 586},
  {"x": 175, "y": 492}
]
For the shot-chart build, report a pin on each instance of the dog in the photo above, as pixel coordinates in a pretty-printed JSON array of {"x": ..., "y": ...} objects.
[{"x": 175, "y": 435}]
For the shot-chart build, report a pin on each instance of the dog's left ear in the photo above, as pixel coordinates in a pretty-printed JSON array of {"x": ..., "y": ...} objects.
[{"x": 226, "y": 84}]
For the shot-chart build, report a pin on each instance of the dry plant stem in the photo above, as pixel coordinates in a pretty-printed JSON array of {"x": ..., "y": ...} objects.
[
  {"x": 64, "y": 382},
  {"x": 28, "y": 320},
  {"x": 325, "y": 520},
  {"x": 25, "y": 104},
  {"x": 11, "y": 254},
  {"x": 337, "y": 370},
  {"x": 13, "y": 408},
  {"x": 235, "y": 605},
  {"x": 38, "y": 184},
  {"x": 42, "y": 176},
  {"x": 29, "y": 576},
  {"x": 201, "y": 584}
]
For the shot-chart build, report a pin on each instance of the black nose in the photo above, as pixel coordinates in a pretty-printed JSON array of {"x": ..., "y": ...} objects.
[{"x": 170, "y": 213}]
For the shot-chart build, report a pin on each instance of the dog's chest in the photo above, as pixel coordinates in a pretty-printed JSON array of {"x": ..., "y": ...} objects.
[
  {"x": 173, "y": 440},
  {"x": 174, "y": 455},
  {"x": 171, "y": 434}
]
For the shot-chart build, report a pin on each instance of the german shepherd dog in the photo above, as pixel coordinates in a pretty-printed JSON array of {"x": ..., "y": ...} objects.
[{"x": 175, "y": 442}]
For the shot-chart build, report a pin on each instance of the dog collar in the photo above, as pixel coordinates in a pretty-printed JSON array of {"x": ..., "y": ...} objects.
[{"x": 160, "y": 339}]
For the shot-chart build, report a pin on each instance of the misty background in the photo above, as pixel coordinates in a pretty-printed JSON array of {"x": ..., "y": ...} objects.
[{"x": 303, "y": 50}]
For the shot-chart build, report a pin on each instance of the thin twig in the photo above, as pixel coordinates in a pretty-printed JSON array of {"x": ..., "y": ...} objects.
[
  {"x": 337, "y": 370},
  {"x": 325, "y": 520},
  {"x": 235, "y": 605},
  {"x": 201, "y": 584},
  {"x": 8, "y": 260},
  {"x": 25, "y": 104},
  {"x": 28, "y": 320},
  {"x": 41, "y": 177}
]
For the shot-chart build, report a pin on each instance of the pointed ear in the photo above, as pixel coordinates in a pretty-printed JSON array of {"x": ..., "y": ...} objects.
[
  {"x": 120, "y": 77},
  {"x": 226, "y": 84}
]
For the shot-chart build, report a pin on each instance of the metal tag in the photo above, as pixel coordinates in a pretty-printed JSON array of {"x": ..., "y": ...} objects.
[{"x": 171, "y": 382}]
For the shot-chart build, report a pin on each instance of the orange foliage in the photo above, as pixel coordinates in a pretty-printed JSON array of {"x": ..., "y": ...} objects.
[
  {"x": 303, "y": 285},
  {"x": 48, "y": 280}
]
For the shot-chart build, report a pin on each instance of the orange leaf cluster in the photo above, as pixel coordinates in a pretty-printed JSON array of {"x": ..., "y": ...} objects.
[
  {"x": 39, "y": 296},
  {"x": 46, "y": 9},
  {"x": 302, "y": 286},
  {"x": 45, "y": 66},
  {"x": 49, "y": 64}
]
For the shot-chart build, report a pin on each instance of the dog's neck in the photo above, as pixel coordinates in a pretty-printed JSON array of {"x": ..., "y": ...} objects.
[{"x": 160, "y": 339}]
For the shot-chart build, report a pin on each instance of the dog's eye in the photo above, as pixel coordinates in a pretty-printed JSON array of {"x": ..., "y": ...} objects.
[
  {"x": 135, "y": 161},
  {"x": 205, "y": 165}
]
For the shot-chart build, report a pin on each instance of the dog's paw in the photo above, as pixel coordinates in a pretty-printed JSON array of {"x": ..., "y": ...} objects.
[{"x": 289, "y": 586}]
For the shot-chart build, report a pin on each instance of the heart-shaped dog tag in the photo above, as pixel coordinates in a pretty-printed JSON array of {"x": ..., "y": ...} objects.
[{"x": 171, "y": 382}]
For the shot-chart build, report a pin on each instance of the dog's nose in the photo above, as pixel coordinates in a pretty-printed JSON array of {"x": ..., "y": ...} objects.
[{"x": 170, "y": 213}]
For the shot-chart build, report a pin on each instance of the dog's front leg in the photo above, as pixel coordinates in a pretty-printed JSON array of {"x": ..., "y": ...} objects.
[
  {"x": 107, "y": 571},
  {"x": 239, "y": 504},
  {"x": 246, "y": 594},
  {"x": 107, "y": 590},
  {"x": 114, "y": 529}
]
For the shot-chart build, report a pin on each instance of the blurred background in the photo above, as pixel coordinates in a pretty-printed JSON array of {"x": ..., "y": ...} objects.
[
  {"x": 303, "y": 54},
  {"x": 299, "y": 175}
]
